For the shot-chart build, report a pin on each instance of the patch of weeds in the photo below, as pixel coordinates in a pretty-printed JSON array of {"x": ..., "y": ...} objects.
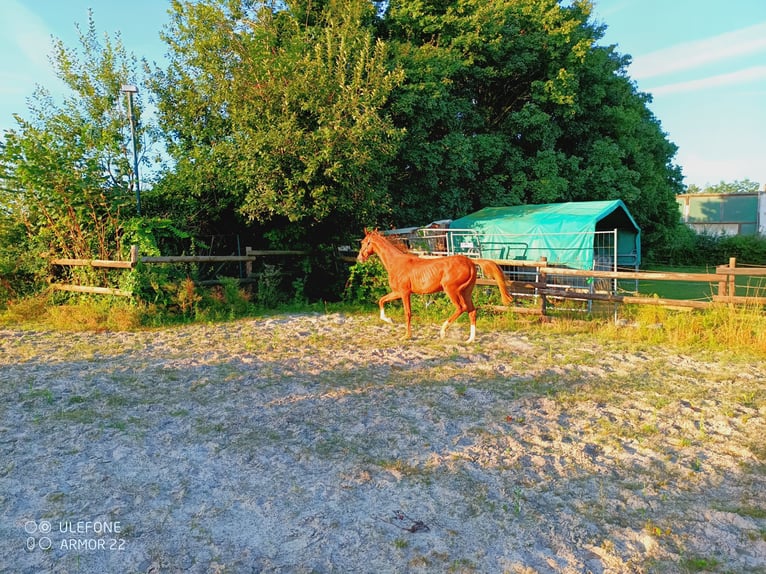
[
  {"x": 401, "y": 543},
  {"x": 462, "y": 565},
  {"x": 699, "y": 564},
  {"x": 205, "y": 427},
  {"x": 758, "y": 448},
  {"x": 403, "y": 468},
  {"x": 46, "y": 395},
  {"x": 332, "y": 446},
  {"x": 647, "y": 430},
  {"x": 744, "y": 509},
  {"x": 751, "y": 399},
  {"x": 81, "y": 416},
  {"x": 653, "y": 529},
  {"x": 55, "y": 497},
  {"x": 115, "y": 401},
  {"x": 515, "y": 502}
]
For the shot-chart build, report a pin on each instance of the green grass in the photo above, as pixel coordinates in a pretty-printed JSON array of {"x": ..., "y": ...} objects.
[
  {"x": 678, "y": 289},
  {"x": 750, "y": 286}
]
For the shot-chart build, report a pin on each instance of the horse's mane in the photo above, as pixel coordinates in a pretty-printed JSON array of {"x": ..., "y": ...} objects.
[{"x": 398, "y": 243}]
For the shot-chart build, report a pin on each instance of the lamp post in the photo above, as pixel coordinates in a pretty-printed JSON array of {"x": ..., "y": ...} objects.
[{"x": 130, "y": 89}]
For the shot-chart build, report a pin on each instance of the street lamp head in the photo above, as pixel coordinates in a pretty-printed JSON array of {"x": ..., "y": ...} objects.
[{"x": 129, "y": 89}]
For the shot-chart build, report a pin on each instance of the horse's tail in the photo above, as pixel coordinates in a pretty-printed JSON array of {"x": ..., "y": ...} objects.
[{"x": 491, "y": 269}]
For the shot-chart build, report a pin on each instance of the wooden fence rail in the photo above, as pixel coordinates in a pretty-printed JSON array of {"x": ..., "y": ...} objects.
[
  {"x": 250, "y": 256},
  {"x": 723, "y": 278}
]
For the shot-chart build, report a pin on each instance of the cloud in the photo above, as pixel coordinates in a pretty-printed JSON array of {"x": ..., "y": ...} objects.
[
  {"x": 26, "y": 37},
  {"x": 26, "y": 44},
  {"x": 747, "y": 75},
  {"x": 689, "y": 55},
  {"x": 703, "y": 169}
]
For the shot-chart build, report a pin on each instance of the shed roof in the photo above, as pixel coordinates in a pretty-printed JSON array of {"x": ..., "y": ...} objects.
[{"x": 554, "y": 228}]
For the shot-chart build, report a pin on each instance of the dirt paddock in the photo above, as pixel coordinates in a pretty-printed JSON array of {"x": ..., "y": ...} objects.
[{"x": 322, "y": 443}]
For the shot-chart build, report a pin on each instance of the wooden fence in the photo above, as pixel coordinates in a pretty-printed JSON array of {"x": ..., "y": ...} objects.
[
  {"x": 543, "y": 286},
  {"x": 250, "y": 256}
]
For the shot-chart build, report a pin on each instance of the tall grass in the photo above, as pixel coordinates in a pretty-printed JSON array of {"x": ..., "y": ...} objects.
[
  {"x": 740, "y": 330},
  {"x": 79, "y": 313}
]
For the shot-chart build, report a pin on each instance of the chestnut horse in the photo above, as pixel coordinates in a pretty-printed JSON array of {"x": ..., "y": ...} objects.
[{"x": 407, "y": 274}]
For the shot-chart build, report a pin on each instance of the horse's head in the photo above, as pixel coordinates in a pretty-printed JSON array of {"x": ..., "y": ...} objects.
[{"x": 368, "y": 247}]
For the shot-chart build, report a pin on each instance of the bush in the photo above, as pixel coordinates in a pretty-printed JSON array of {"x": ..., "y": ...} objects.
[
  {"x": 683, "y": 246},
  {"x": 748, "y": 249},
  {"x": 367, "y": 282}
]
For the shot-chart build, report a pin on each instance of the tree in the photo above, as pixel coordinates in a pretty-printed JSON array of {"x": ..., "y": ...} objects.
[
  {"x": 67, "y": 172},
  {"x": 273, "y": 113},
  {"x": 513, "y": 101},
  {"x": 737, "y": 186}
]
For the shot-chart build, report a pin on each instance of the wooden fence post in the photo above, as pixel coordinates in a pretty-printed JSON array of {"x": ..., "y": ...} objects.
[
  {"x": 731, "y": 290},
  {"x": 723, "y": 281},
  {"x": 248, "y": 264},
  {"x": 542, "y": 277},
  {"x": 133, "y": 255}
]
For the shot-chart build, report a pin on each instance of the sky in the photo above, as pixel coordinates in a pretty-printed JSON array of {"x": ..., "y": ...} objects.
[{"x": 702, "y": 61}]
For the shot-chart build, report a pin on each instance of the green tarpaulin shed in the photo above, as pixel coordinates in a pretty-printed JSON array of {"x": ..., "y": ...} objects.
[{"x": 576, "y": 234}]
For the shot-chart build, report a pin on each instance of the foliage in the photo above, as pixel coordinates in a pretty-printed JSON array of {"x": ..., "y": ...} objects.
[
  {"x": 514, "y": 102},
  {"x": 367, "y": 282},
  {"x": 274, "y": 113},
  {"x": 737, "y": 186},
  {"x": 686, "y": 247},
  {"x": 80, "y": 313},
  {"x": 66, "y": 173},
  {"x": 748, "y": 249},
  {"x": 298, "y": 123}
]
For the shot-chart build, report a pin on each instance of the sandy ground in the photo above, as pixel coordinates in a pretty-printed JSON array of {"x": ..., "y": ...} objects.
[{"x": 322, "y": 443}]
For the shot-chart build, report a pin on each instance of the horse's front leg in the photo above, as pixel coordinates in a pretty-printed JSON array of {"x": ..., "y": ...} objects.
[
  {"x": 393, "y": 296},
  {"x": 407, "y": 314}
]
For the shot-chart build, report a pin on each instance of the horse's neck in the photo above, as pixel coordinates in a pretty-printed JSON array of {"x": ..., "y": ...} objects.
[{"x": 388, "y": 252}]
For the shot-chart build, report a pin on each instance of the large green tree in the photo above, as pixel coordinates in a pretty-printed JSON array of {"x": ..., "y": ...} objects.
[
  {"x": 67, "y": 177},
  {"x": 273, "y": 114},
  {"x": 513, "y": 101}
]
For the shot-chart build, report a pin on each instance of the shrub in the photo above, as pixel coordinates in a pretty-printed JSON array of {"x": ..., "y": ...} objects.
[
  {"x": 748, "y": 249},
  {"x": 367, "y": 282},
  {"x": 685, "y": 247}
]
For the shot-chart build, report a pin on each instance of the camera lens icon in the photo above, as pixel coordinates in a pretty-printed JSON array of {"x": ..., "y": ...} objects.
[{"x": 32, "y": 526}]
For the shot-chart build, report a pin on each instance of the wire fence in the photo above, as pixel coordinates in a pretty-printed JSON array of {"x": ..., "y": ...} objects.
[{"x": 597, "y": 251}]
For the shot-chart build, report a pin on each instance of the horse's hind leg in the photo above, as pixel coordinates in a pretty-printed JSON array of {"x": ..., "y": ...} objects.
[
  {"x": 472, "y": 316},
  {"x": 463, "y": 302}
]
